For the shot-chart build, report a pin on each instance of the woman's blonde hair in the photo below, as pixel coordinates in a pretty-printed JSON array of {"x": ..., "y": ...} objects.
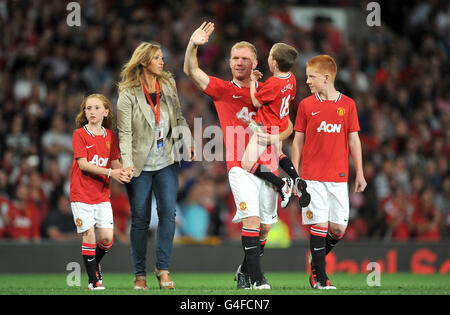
[
  {"x": 108, "y": 121},
  {"x": 130, "y": 76}
]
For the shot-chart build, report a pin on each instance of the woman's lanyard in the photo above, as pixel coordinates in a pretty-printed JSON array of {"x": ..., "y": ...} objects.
[{"x": 156, "y": 111}]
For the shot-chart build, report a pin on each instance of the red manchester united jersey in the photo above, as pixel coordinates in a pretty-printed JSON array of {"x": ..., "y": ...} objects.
[
  {"x": 276, "y": 96},
  {"x": 230, "y": 99},
  {"x": 326, "y": 125},
  {"x": 99, "y": 150}
]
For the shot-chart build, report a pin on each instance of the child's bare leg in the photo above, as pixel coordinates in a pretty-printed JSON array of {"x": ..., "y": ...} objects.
[{"x": 252, "y": 153}]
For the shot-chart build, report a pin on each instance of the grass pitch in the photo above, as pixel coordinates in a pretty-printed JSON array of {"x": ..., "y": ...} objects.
[{"x": 283, "y": 283}]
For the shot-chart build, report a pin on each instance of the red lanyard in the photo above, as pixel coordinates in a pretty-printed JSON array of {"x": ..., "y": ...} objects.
[{"x": 157, "y": 111}]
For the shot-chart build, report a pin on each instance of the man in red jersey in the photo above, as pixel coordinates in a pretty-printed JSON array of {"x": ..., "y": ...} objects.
[
  {"x": 256, "y": 200},
  {"x": 325, "y": 129}
]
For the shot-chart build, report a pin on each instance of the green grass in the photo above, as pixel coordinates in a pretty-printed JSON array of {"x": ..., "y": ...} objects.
[{"x": 283, "y": 283}]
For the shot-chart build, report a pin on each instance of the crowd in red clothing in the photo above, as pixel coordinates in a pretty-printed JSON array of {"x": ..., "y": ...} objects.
[{"x": 399, "y": 81}]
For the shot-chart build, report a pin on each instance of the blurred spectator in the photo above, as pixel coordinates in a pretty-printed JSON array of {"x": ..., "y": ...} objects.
[
  {"x": 58, "y": 142},
  {"x": 442, "y": 202},
  {"x": 426, "y": 219},
  {"x": 25, "y": 84},
  {"x": 38, "y": 195},
  {"x": 98, "y": 75},
  {"x": 382, "y": 180},
  {"x": 18, "y": 141},
  {"x": 4, "y": 215},
  {"x": 353, "y": 77},
  {"x": 397, "y": 210},
  {"x": 197, "y": 208},
  {"x": 59, "y": 225},
  {"x": 397, "y": 73},
  {"x": 24, "y": 221},
  {"x": 53, "y": 180}
]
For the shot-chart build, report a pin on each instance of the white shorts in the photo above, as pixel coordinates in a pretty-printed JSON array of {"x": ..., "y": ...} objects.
[
  {"x": 86, "y": 215},
  {"x": 329, "y": 203},
  {"x": 253, "y": 196}
]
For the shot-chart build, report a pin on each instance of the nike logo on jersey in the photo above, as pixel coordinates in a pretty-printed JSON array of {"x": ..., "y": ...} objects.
[
  {"x": 237, "y": 96},
  {"x": 329, "y": 128},
  {"x": 89, "y": 146},
  {"x": 247, "y": 248},
  {"x": 315, "y": 113}
]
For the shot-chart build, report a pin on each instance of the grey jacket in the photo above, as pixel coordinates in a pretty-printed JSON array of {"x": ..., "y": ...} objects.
[{"x": 136, "y": 131}]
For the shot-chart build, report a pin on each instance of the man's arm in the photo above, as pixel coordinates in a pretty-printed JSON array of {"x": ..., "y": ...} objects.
[
  {"x": 191, "y": 68},
  {"x": 355, "y": 149},
  {"x": 297, "y": 149}
]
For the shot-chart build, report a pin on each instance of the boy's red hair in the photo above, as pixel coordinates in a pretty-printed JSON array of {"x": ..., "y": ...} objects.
[{"x": 323, "y": 64}]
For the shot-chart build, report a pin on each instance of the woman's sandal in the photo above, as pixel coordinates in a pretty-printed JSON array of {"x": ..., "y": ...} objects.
[
  {"x": 140, "y": 283},
  {"x": 164, "y": 279}
]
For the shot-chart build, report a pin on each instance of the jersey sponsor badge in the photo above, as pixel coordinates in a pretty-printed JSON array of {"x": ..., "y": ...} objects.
[
  {"x": 78, "y": 222},
  {"x": 242, "y": 206},
  {"x": 341, "y": 111}
]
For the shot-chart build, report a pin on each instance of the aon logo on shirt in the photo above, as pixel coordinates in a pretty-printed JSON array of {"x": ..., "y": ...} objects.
[
  {"x": 329, "y": 128},
  {"x": 99, "y": 161}
]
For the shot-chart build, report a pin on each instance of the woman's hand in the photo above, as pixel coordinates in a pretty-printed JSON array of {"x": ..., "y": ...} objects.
[{"x": 124, "y": 175}]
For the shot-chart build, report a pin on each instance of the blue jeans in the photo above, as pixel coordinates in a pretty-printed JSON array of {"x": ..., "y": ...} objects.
[{"x": 164, "y": 184}]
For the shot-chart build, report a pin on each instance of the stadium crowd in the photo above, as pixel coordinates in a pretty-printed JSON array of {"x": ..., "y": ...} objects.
[{"x": 399, "y": 80}]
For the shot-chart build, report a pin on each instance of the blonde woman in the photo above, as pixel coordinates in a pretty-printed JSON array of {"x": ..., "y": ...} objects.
[{"x": 151, "y": 128}]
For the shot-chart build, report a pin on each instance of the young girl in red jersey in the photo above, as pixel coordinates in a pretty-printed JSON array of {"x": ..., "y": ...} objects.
[{"x": 96, "y": 159}]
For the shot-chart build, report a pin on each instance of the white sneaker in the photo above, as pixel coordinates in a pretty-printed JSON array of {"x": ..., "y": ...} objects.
[
  {"x": 262, "y": 285},
  {"x": 96, "y": 286},
  {"x": 286, "y": 192},
  {"x": 327, "y": 286}
]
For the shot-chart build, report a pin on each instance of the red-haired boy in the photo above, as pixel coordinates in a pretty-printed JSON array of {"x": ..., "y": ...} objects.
[{"x": 326, "y": 128}]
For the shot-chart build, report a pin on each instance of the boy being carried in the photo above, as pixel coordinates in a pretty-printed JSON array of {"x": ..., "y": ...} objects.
[{"x": 272, "y": 101}]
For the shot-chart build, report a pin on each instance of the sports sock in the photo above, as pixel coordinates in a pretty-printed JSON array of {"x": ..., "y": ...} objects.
[
  {"x": 317, "y": 244},
  {"x": 262, "y": 243},
  {"x": 250, "y": 244},
  {"x": 90, "y": 262},
  {"x": 332, "y": 240},
  {"x": 264, "y": 173},
  {"x": 287, "y": 166},
  {"x": 102, "y": 249}
]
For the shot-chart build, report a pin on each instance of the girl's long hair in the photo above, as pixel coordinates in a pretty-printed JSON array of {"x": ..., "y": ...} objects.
[
  {"x": 130, "y": 76},
  {"x": 108, "y": 122}
]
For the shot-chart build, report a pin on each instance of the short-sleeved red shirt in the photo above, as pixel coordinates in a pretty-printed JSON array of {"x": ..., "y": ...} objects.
[
  {"x": 275, "y": 96},
  {"x": 229, "y": 99},
  {"x": 99, "y": 150},
  {"x": 326, "y": 125}
]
